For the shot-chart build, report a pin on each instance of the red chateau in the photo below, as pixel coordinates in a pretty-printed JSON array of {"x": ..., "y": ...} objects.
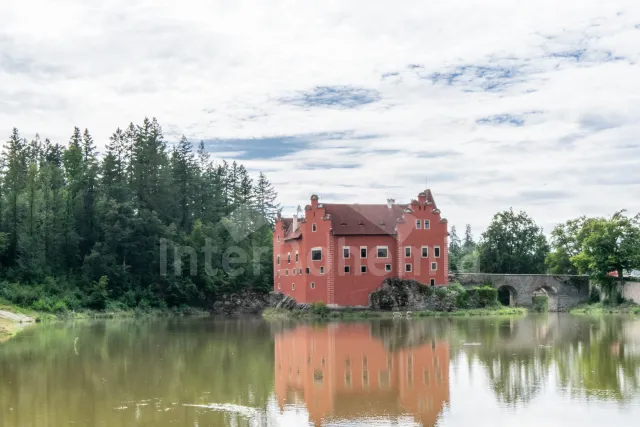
[{"x": 340, "y": 253}]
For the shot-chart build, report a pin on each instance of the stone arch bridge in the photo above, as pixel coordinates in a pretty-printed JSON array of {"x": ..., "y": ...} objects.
[{"x": 564, "y": 291}]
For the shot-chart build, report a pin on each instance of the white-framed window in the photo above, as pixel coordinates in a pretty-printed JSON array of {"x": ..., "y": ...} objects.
[
  {"x": 278, "y": 286},
  {"x": 300, "y": 271},
  {"x": 316, "y": 254},
  {"x": 436, "y": 251},
  {"x": 346, "y": 252},
  {"x": 278, "y": 237},
  {"x": 321, "y": 269},
  {"x": 407, "y": 251},
  {"x": 427, "y": 224},
  {"x": 434, "y": 266},
  {"x": 347, "y": 269},
  {"x": 363, "y": 269},
  {"x": 425, "y": 252},
  {"x": 418, "y": 224},
  {"x": 278, "y": 260},
  {"x": 387, "y": 267},
  {"x": 383, "y": 252},
  {"x": 293, "y": 271},
  {"x": 293, "y": 286},
  {"x": 407, "y": 268},
  {"x": 288, "y": 257},
  {"x": 286, "y": 272},
  {"x": 433, "y": 282},
  {"x": 297, "y": 257},
  {"x": 363, "y": 251},
  {"x": 314, "y": 228},
  {"x": 278, "y": 273},
  {"x": 313, "y": 285},
  {"x": 307, "y": 271}
]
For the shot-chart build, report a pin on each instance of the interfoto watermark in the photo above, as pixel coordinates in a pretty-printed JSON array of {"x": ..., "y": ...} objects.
[{"x": 241, "y": 256}]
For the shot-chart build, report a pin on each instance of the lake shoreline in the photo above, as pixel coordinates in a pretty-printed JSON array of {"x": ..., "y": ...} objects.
[
  {"x": 352, "y": 314},
  {"x": 602, "y": 309}
]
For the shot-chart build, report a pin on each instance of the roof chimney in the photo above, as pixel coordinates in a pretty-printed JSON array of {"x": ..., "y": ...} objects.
[{"x": 390, "y": 202}]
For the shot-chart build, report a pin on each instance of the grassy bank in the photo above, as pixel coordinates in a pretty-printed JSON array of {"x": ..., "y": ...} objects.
[
  {"x": 349, "y": 314},
  {"x": 40, "y": 316},
  {"x": 601, "y": 308}
]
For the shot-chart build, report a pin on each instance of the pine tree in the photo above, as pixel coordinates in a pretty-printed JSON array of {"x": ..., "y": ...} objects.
[{"x": 265, "y": 199}]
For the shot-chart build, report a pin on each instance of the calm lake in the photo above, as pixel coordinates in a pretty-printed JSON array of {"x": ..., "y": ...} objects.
[{"x": 555, "y": 370}]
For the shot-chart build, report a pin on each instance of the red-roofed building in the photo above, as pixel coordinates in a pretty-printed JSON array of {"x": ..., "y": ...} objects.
[{"x": 340, "y": 253}]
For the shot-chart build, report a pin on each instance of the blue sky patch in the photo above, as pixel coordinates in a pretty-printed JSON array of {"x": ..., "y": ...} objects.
[
  {"x": 502, "y": 119},
  {"x": 486, "y": 78},
  {"x": 333, "y": 97}
]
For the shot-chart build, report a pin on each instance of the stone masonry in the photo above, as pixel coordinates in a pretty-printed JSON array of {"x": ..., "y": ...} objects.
[{"x": 564, "y": 291}]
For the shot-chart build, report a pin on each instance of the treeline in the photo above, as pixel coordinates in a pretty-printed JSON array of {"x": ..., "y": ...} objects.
[
  {"x": 601, "y": 247},
  {"x": 80, "y": 229}
]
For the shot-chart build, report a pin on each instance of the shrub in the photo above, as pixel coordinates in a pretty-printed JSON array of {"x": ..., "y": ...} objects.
[
  {"x": 484, "y": 296},
  {"x": 594, "y": 295},
  {"x": 540, "y": 304},
  {"x": 462, "y": 296},
  {"x": 319, "y": 309},
  {"x": 441, "y": 292}
]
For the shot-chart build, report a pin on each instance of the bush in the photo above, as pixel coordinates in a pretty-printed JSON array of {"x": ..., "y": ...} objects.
[
  {"x": 540, "y": 304},
  {"x": 462, "y": 296},
  {"x": 594, "y": 295},
  {"x": 319, "y": 309},
  {"x": 483, "y": 296}
]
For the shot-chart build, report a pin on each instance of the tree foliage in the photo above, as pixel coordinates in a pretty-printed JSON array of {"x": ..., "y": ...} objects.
[
  {"x": 514, "y": 244},
  {"x": 89, "y": 227},
  {"x": 609, "y": 245}
]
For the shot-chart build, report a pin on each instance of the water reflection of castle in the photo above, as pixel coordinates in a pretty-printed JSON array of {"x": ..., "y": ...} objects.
[{"x": 341, "y": 372}]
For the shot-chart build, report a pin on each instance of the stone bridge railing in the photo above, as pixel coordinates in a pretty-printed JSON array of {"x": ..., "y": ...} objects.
[{"x": 564, "y": 291}]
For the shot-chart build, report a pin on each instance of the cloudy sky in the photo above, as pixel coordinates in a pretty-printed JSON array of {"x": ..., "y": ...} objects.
[{"x": 530, "y": 104}]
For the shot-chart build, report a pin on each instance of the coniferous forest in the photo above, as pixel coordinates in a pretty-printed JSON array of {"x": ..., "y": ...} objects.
[{"x": 83, "y": 229}]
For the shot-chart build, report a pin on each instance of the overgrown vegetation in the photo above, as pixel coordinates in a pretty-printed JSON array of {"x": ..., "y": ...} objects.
[
  {"x": 624, "y": 307},
  {"x": 79, "y": 230},
  {"x": 540, "y": 303}
]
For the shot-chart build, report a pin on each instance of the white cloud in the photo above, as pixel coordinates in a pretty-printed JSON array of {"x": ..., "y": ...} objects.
[{"x": 225, "y": 69}]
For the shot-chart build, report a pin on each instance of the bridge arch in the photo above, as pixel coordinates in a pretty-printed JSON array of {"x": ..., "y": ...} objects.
[
  {"x": 551, "y": 293},
  {"x": 563, "y": 291},
  {"x": 507, "y": 295}
]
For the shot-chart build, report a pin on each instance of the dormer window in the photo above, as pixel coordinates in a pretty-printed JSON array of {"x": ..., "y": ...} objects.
[
  {"x": 314, "y": 228},
  {"x": 418, "y": 224}
]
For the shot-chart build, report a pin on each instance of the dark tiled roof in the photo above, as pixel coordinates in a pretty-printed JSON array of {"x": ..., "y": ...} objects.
[
  {"x": 288, "y": 227},
  {"x": 363, "y": 219}
]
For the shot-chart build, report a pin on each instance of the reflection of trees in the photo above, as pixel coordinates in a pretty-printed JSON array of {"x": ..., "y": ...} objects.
[
  {"x": 588, "y": 357},
  {"x": 148, "y": 366},
  {"x": 601, "y": 366}
]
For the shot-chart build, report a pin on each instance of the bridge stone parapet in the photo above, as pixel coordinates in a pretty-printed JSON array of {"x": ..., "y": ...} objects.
[{"x": 564, "y": 291}]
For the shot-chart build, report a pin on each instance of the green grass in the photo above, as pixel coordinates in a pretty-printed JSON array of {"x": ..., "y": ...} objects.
[
  {"x": 349, "y": 314},
  {"x": 600, "y": 308}
]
